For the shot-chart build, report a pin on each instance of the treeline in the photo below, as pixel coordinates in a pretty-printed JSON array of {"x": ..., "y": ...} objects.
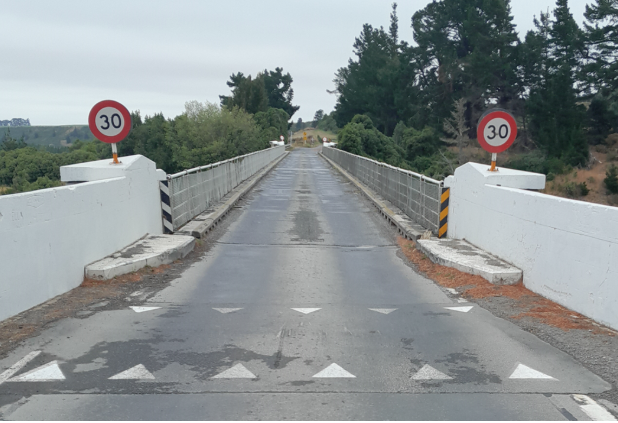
[
  {"x": 405, "y": 103},
  {"x": 205, "y": 133}
]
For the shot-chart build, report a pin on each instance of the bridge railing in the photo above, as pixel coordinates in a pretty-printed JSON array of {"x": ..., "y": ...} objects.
[
  {"x": 193, "y": 191},
  {"x": 418, "y": 196}
]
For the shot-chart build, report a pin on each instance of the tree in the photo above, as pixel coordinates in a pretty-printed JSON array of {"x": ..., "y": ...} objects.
[
  {"x": 469, "y": 49},
  {"x": 556, "y": 119},
  {"x": 247, "y": 93},
  {"x": 267, "y": 89},
  {"x": 279, "y": 90},
  {"x": 601, "y": 30},
  {"x": 377, "y": 83},
  {"x": 456, "y": 127},
  {"x": 319, "y": 115}
]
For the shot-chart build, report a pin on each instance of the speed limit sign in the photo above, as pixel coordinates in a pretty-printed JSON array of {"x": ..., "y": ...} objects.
[
  {"x": 496, "y": 131},
  {"x": 109, "y": 121},
  {"x": 281, "y": 137}
]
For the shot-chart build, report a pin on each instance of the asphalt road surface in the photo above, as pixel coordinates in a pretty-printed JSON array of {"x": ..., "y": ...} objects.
[{"x": 302, "y": 310}]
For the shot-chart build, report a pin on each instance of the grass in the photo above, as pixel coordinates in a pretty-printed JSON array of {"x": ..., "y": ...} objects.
[{"x": 56, "y": 136}]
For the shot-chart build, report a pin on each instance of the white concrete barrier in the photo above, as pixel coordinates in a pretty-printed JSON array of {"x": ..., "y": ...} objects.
[
  {"x": 567, "y": 249},
  {"x": 48, "y": 236}
]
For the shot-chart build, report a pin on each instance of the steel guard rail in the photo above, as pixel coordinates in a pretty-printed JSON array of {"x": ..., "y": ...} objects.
[
  {"x": 418, "y": 196},
  {"x": 193, "y": 191}
]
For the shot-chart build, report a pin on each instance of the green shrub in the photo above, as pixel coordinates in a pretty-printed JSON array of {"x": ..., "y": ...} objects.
[{"x": 611, "y": 179}]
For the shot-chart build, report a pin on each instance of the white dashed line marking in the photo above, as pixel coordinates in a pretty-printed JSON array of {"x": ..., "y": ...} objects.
[
  {"x": 429, "y": 373},
  {"x": 17, "y": 366},
  {"x": 237, "y": 372},
  {"x": 227, "y": 310},
  {"x": 334, "y": 370},
  {"x": 306, "y": 310},
  {"x": 134, "y": 373},
  {"x": 383, "y": 310},
  {"x": 460, "y": 309},
  {"x": 524, "y": 372},
  {"x": 142, "y": 309},
  {"x": 46, "y": 373}
]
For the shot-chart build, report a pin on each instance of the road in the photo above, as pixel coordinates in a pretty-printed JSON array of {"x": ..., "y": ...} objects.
[{"x": 303, "y": 309}]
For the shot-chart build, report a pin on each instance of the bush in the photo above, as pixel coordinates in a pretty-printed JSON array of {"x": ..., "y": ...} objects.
[{"x": 611, "y": 179}]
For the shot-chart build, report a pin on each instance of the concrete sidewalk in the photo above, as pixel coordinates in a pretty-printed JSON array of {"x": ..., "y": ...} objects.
[{"x": 457, "y": 254}]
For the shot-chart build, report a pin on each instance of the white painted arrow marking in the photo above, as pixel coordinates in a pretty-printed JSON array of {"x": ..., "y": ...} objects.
[
  {"x": 227, "y": 310},
  {"x": 237, "y": 372},
  {"x": 462, "y": 300},
  {"x": 17, "y": 366},
  {"x": 429, "y": 373},
  {"x": 383, "y": 310},
  {"x": 134, "y": 373},
  {"x": 46, "y": 373},
  {"x": 334, "y": 370},
  {"x": 460, "y": 309},
  {"x": 306, "y": 310},
  {"x": 142, "y": 309},
  {"x": 524, "y": 372}
]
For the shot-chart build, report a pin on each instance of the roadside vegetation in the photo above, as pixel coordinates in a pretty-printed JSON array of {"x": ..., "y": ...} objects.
[
  {"x": 417, "y": 106},
  {"x": 257, "y": 111}
]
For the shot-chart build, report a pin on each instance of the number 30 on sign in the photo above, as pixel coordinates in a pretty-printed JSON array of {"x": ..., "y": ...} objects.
[
  {"x": 496, "y": 131},
  {"x": 109, "y": 121}
]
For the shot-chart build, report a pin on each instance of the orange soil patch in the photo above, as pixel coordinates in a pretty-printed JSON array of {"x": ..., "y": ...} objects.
[{"x": 473, "y": 287}]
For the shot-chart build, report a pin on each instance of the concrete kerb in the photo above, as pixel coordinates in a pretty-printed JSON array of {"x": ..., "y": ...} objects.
[
  {"x": 406, "y": 226},
  {"x": 205, "y": 222},
  {"x": 153, "y": 251}
]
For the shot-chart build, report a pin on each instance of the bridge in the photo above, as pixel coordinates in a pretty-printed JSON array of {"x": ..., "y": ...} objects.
[{"x": 297, "y": 302}]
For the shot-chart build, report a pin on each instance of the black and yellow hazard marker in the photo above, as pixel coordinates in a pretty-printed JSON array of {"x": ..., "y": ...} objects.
[{"x": 444, "y": 199}]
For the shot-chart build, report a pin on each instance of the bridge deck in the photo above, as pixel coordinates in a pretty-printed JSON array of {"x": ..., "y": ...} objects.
[{"x": 304, "y": 309}]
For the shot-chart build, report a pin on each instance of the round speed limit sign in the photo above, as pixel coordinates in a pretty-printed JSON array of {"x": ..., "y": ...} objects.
[
  {"x": 109, "y": 121},
  {"x": 496, "y": 131}
]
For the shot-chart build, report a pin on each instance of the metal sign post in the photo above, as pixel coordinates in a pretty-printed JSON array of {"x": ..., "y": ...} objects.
[{"x": 496, "y": 132}]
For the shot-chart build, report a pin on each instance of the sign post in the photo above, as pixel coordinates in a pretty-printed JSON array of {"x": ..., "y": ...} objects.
[
  {"x": 110, "y": 122},
  {"x": 496, "y": 132}
]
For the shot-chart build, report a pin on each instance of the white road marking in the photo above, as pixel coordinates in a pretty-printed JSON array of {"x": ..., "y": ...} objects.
[
  {"x": 462, "y": 300},
  {"x": 334, "y": 370},
  {"x": 429, "y": 373},
  {"x": 17, "y": 366},
  {"x": 306, "y": 310},
  {"x": 592, "y": 409},
  {"x": 460, "y": 309},
  {"x": 383, "y": 310},
  {"x": 524, "y": 372},
  {"x": 237, "y": 372},
  {"x": 227, "y": 310},
  {"x": 46, "y": 373},
  {"x": 134, "y": 373},
  {"x": 452, "y": 291},
  {"x": 142, "y": 309}
]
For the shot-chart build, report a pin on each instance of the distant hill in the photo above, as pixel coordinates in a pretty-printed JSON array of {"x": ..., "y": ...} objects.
[{"x": 56, "y": 136}]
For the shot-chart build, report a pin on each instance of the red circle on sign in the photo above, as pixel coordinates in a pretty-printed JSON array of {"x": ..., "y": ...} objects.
[
  {"x": 480, "y": 131},
  {"x": 126, "y": 116}
]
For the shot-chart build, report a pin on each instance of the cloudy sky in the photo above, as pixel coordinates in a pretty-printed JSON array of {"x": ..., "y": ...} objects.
[{"x": 60, "y": 57}]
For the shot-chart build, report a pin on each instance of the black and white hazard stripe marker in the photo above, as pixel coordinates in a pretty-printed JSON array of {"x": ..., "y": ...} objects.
[{"x": 166, "y": 207}]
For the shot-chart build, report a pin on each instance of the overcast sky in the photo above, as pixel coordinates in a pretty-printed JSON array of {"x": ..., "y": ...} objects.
[{"x": 60, "y": 57}]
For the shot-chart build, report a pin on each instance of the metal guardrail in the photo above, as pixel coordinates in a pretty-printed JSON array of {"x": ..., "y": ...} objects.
[
  {"x": 194, "y": 191},
  {"x": 416, "y": 195}
]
